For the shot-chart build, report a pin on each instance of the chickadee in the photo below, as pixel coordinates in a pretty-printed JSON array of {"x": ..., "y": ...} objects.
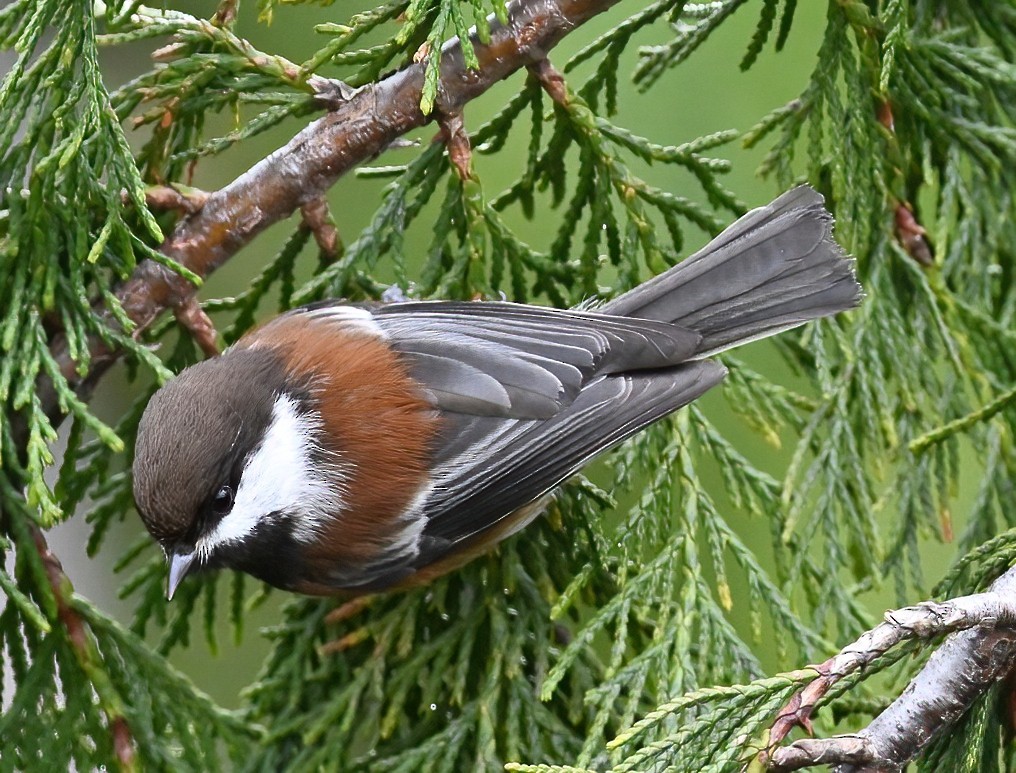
[{"x": 356, "y": 448}]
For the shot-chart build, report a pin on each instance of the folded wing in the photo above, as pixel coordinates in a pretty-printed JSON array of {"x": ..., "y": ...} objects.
[{"x": 528, "y": 396}]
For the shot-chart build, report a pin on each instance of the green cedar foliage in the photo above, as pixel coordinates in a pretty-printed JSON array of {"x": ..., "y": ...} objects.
[{"x": 606, "y": 636}]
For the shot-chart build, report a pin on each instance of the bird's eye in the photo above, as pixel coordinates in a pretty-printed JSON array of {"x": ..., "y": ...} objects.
[{"x": 222, "y": 502}]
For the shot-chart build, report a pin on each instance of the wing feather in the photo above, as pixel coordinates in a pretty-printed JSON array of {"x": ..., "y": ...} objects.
[
  {"x": 541, "y": 357},
  {"x": 523, "y": 460},
  {"x": 526, "y": 396}
]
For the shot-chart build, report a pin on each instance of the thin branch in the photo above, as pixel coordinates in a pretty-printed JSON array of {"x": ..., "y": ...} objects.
[
  {"x": 810, "y": 752},
  {"x": 551, "y": 81},
  {"x": 199, "y": 325},
  {"x": 456, "y": 140},
  {"x": 967, "y": 664},
  {"x": 302, "y": 170},
  {"x": 984, "y": 413},
  {"x": 318, "y": 219},
  {"x": 912, "y": 235},
  {"x": 185, "y": 200},
  {"x": 84, "y": 650}
]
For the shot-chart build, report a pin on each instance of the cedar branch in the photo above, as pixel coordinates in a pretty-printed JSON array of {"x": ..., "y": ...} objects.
[
  {"x": 301, "y": 171},
  {"x": 84, "y": 649},
  {"x": 295, "y": 176}
]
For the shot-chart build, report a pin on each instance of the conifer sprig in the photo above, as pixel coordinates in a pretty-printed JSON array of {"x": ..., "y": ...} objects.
[{"x": 540, "y": 654}]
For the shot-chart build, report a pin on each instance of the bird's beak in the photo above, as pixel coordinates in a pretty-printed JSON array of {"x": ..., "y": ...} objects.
[{"x": 179, "y": 565}]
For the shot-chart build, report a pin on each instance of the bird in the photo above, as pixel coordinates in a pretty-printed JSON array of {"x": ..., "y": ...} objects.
[{"x": 344, "y": 449}]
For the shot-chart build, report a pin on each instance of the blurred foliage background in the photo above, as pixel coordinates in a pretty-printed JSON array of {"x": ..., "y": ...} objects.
[
  {"x": 842, "y": 469},
  {"x": 709, "y": 94}
]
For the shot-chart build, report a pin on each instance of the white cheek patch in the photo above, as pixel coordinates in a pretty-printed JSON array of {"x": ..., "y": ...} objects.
[{"x": 282, "y": 476}]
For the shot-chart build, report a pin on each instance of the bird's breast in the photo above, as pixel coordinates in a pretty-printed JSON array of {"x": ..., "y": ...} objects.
[{"x": 376, "y": 428}]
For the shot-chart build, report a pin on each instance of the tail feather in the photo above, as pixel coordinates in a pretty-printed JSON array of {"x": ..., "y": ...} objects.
[{"x": 775, "y": 268}]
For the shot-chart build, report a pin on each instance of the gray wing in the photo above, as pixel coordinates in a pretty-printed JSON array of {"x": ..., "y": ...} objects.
[
  {"x": 528, "y": 396},
  {"x": 510, "y": 463},
  {"x": 522, "y": 362}
]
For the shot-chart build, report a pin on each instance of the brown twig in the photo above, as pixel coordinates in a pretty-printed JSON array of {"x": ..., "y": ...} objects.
[
  {"x": 456, "y": 140},
  {"x": 884, "y": 111},
  {"x": 349, "y": 609},
  {"x": 551, "y": 80},
  {"x": 319, "y": 220},
  {"x": 912, "y": 235},
  {"x": 302, "y": 170},
  {"x": 344, "y": 643},
  {"x": 798, "y": 711},
  {"x": 199, "y": 325},
  {"x": 330, "y": 92},
  {"x": 84, "y": 648},
  {"x": 225, "y": 14},
  {"x": 164, "y": 198},
  {"x": 841, "y": 750}
]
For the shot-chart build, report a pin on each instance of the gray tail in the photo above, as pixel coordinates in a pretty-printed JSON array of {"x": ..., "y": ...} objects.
[{"x": 775, "y": 268}]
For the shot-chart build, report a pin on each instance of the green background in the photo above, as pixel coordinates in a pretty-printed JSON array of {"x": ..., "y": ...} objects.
[{"x": 707, "y": 94}]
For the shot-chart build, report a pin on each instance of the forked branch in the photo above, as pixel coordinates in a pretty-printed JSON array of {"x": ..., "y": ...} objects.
[{"x": 977, "y": 655}]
